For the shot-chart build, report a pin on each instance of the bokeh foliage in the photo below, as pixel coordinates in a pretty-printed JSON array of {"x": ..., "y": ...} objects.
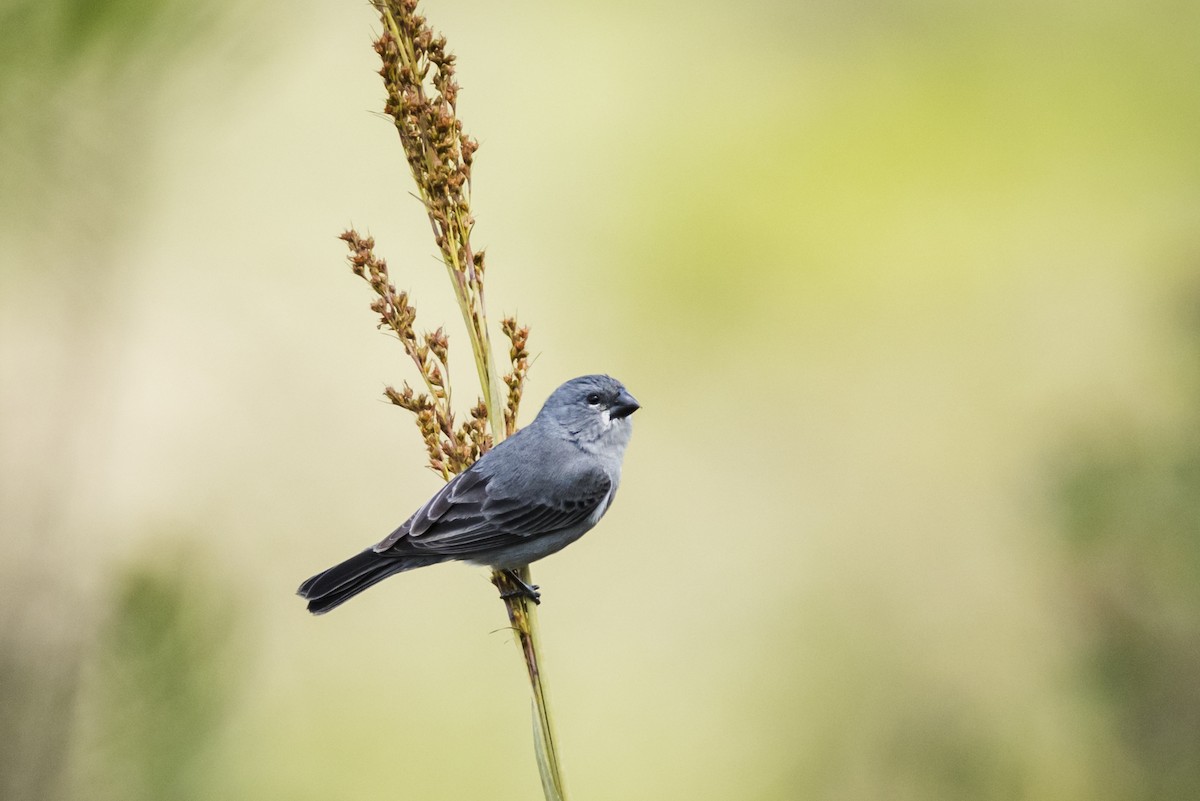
[
  {"x": 163, "y": 672},
  {"x": 82, "y": 80},
  {"x": 1132, "y": 523}
]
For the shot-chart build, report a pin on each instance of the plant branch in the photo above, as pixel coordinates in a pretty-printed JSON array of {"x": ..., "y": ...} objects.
[
  {"x": 522, "y": 613},
  {"x": 418, "y": 75}
]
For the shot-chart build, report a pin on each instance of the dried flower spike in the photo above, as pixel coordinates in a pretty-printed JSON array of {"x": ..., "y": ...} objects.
[
  {"x": 518, "y": 354},
  {"x": 422, "y": 97}
]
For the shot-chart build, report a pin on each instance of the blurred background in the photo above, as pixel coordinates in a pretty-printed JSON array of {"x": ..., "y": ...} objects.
[{"x": 910, "y": 293}]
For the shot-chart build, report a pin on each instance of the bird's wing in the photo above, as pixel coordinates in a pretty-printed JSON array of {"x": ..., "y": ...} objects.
[{"x": 469, "y": 514}]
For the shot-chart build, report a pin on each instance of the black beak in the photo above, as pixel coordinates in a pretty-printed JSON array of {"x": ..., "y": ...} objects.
[{"x": 623, "y": 406}]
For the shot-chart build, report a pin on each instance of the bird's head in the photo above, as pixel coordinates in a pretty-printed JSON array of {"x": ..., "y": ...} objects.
[{"x": 593, "y": 409}]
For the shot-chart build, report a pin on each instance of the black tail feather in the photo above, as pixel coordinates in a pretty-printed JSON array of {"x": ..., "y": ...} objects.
[{"x": 342, "y": 582}]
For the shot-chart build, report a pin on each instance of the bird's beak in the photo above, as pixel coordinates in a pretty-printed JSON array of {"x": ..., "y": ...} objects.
[{"x": 624, "y": 406}]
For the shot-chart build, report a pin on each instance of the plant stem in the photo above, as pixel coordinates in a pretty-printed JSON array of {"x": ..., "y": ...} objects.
[
  {"x": 522, "y": 613},
  {"x": 418, "y": 74}
]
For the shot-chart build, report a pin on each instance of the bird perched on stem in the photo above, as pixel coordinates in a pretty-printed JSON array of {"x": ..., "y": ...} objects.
[{"x": 530, "y": 496}]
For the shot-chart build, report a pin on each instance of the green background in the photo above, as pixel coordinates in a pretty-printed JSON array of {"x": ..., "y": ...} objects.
[{"x": 909, "y": 292}]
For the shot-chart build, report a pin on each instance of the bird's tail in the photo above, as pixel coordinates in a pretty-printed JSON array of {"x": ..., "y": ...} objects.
[{"x": 342, "y": 582}]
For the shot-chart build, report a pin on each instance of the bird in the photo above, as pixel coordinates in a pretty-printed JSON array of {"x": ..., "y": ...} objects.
[{"x": 531, "y": 495}]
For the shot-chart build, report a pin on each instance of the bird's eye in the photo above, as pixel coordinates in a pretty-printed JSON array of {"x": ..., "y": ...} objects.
[{"x": 593, "y": 398}]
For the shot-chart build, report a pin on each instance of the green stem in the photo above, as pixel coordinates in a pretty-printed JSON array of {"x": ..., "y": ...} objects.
[{"x": 522, "y": 613}]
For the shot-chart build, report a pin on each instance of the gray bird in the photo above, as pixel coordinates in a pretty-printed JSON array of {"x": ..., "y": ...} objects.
[{"x": 532, "y": 495}]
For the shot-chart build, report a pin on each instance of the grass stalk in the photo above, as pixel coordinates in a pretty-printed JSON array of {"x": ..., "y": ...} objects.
[
  {"x": 418, "y": 74},
  {"x": 522, "y": 614}
]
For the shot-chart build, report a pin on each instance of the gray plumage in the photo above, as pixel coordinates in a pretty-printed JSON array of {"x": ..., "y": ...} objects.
[{"x": 530, "y": 496}]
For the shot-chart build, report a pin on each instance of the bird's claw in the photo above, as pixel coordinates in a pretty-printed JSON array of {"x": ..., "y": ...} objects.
[{"x": 521, "y": 588}]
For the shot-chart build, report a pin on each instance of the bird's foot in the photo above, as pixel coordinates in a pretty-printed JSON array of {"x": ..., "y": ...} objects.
[{"x": 518, "y": 588}]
